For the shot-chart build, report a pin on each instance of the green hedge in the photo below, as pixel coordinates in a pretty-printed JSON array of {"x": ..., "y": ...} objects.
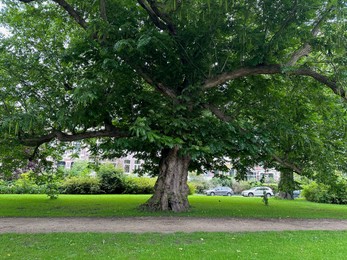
[
  {"x": 139, "y": 185},
  {"x": 81, "y": 185}
]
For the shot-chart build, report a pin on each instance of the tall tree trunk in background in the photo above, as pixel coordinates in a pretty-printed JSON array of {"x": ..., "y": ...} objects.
[
  {"x": 286, "y": 186},
  {"x": 171, "y": 189}
]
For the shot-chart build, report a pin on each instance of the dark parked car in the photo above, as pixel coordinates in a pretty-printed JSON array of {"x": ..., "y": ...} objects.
[{"x": 220, "y": 191}]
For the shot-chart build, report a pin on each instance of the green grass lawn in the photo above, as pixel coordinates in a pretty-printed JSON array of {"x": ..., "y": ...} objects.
[
  {"x": 264, "y": 245},
  {"x": 259, "y": 245},
  {"x": 126, "y": 205}
]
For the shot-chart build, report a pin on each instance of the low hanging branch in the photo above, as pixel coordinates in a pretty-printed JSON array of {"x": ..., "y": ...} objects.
[{"x": 64, "y": 137}]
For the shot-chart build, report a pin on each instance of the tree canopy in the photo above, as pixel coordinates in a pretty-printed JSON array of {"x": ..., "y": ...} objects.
[{"x": 184, "y": 84}]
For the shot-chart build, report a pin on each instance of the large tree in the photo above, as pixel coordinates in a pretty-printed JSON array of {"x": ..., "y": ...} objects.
[{"x": 167, "y": 80}]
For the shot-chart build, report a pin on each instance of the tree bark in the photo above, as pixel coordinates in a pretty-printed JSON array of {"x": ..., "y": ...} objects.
[
  {"x": 171, "y": 189},
  {"x": 286, "y": 185}
]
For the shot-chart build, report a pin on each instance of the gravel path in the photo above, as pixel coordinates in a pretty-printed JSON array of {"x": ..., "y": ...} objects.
[{"x": 163, "y": 225}]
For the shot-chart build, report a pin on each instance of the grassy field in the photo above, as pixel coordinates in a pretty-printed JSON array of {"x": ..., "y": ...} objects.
[
  {"x": 265, "y": 245},
  {"x": 126, "y": 205},
  {"x": 260, "y": 245}
]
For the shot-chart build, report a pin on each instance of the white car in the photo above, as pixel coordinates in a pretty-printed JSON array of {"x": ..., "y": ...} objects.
[{"x": 258, "y": 192}]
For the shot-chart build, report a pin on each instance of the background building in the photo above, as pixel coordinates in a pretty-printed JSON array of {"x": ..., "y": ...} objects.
[{"x": 129, "y": 163}]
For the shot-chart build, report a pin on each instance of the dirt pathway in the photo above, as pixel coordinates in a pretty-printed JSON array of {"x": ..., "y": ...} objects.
[{"x": 163, "y": 225}]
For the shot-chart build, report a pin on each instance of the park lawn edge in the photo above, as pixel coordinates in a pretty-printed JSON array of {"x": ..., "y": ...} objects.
[{"x": 128, "y": 206}]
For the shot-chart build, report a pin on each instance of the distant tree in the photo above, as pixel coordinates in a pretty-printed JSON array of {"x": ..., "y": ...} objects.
[{"x": 167, "y": 80}]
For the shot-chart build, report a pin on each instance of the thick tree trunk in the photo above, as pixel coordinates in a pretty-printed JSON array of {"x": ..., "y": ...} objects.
[
  {"x": 286, "y": 185},
  {"x": 171, "y": 189}
]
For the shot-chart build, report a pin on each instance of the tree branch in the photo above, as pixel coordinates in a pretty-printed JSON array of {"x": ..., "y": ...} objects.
[
  {"x": 63, "y": 137},
  {"x": 152, "y": 15},
  {"x": 103, "y": 13},
  {"x": 273, "y": 69},
  {"x": 73, "y": 13},
  {"x": 218, "y": 113},
  {"x": 306, "y": 49},
  {"x": 69, "y": 9},
  {"x": 287, "y": 165},
  {"x": 159, "y": 18},
  {"x": 322, "y": 79},
  {"x": 159, "y": 86},
  {"x": 226, "y": 118},
  {"x": 239, "y": 73},
  {"x": 163, "y": 16}
]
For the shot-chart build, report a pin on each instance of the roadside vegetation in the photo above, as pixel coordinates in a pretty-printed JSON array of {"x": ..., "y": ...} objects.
[{"x": 293, "y": 245}]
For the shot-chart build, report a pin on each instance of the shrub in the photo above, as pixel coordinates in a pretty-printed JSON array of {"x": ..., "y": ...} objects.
[
  {"x": 334, "y": 193},
  {"x": 139, "y": 185},
  {"x": 145, "y": 185},
  {"x": 51, "y": 181},
  {"x": 112, "y": 180},
  {"x": 201, "y": 186},
  {"x": 23, "y": 185},
  {"x": 273, "y": 186},
  {"x": 339, "y": 192},
  {"x": 200, "y": 183},
  {"x": 221, "y": 180},
  {"x": 239, "y": 186},
  {"x": 81, "y": 185},
  {"x": 15, "y": 188},
  {"x": 192, "y": 188}
]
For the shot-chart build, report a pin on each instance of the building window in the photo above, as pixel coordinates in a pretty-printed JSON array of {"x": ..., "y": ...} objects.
[
  {"x": 61, "y": 164},
  {"x": 251, "y": 176},
  {"x": 137, "y": 164},
  {"x": 127, "y": 166}
]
